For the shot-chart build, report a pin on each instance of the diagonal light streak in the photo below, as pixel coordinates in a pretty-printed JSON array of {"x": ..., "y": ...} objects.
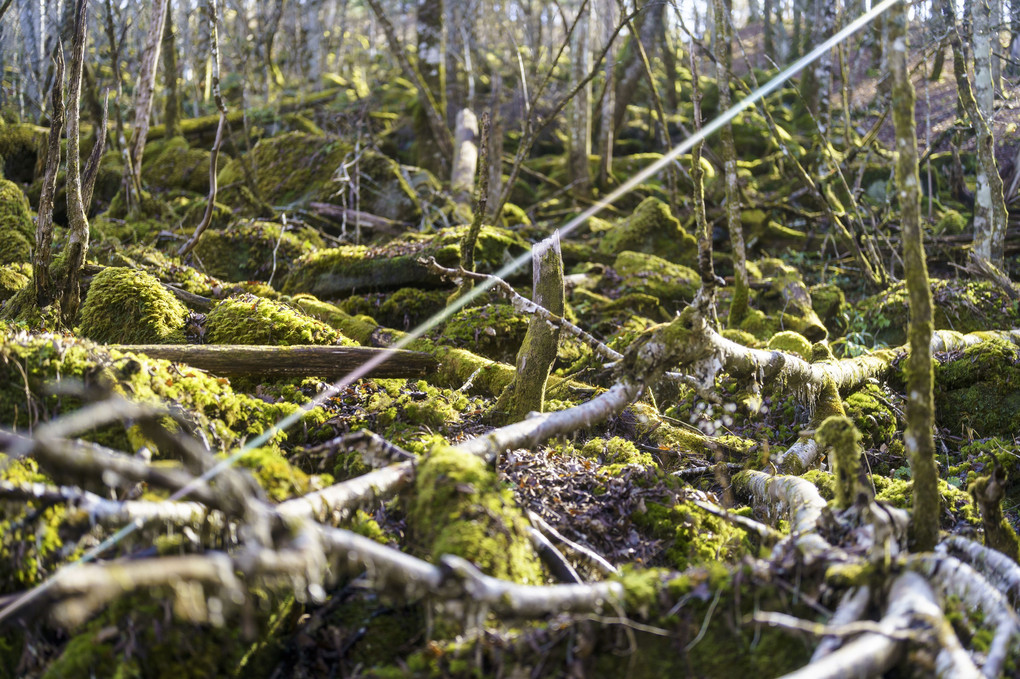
[{"x": 723, "y": 119}]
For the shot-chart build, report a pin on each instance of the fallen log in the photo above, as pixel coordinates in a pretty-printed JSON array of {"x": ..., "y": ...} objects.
[{"x": 331, "y": 362}]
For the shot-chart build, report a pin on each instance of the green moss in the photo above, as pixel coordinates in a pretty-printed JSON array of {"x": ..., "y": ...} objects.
[
  {"x": 124, "y": 306},
  {"x": 870, "y": 413},
  {"x": 951, "y": 222},
  {"x": 898, "y": 492},
  {"x": 828, "y": 301},
  {"x": 20, "y": 147},
  {"x": 13, "y": 279},
  {"x": 741, "y": 337},
  {"x": 961, "y": 305},
  {"x": 980, "y": 389},
  {"x": 407, "y": 307},
  {"x": 838, "y": 436},
  {"x": 791, "y": 342},
  {"x": 252, "y": 250},
  {"x": 673, "y": 285},
  {"x": 651, "y": 229},
  {"x": 17, "y": 232},
  {"x": 691, "y": 535},
  {"x": 460, "y": 507},
  {"x": 616, "y": 451},
  {"x": 786, "y": 301},
  {"x": 493, "y": 330},
  {"x": 173, "y": 164},
  {"x": 248, "y": 319}
]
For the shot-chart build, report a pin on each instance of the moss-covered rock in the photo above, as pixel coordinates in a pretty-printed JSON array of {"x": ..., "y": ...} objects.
[
  {"x": 172, "y": 164},
  {"x": 407, "y": 307},
  {"x": 12, "y": 279},
  {"x": 674, "y": 285},
  {"x": 979, "y": 389},
  {"x": 108, "y": 183},
  {"x": 829, "y": 302},
  {"x": 252, "y": 250},
  {"x": 492, "y": 330},
  {"x": 615, "y": 451},
  {"x": 691, "y": 536},
  {"x": 125, "y": 306},
  {"x": 339, "y": 271},
  {"x": 964, "y": 306},
  {"x": 652, "y": 229},
  {"x": 951, "y": 222},
  {"x": 20, "y": 147},
  {"x": 461, "y": 507},
  {"x": 791, "y": 342},
  {"x": 869, "y": 409},
  {"x": 297, "y": 166},
  {"x": 784, "y": 305},
  {"x": 248, "y": 319},
  {"x": 17, "y": 233}
]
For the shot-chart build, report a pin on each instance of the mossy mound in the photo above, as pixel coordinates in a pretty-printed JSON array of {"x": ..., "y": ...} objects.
[
  {"x": 829, "y": 302},
  {"x": 691, "y": 536},
  {"x": 337, "y": 272},
  {"x": 299, "y": 166},
  {"x": 979, "y": 389},
  {"x": 17, "y": 232},
  {"x": 951, "y": 222},
  {"x": 652, "y": 229},
  {"x": 12, "y": 279},
  {"x": 741, "y": 337},
  {"x": 874, "y": 418},
  {"x": 249, "y": 319},
  {"x": 125, "y": 306},
  {"x": 784, "y": 305},
  {"x": 615, "y": 451},
  {"x": 19, "y": 148},
  {"x": 171, "y": 164},
  {"x": 252, "y": 251},
  {"x": 674, "y": 285},
  {"x": 461, "y": 507},
  {"x": 407, "y": 307},
  {"x": 493, "y": 330},
  {"x": 30, "y": 364},
  {"x": 791, "y": 342},
  {"x": 964, "y": 306}
]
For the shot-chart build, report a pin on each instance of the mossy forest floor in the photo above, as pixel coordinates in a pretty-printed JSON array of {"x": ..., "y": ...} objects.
[{"x": 644, "y": 501}]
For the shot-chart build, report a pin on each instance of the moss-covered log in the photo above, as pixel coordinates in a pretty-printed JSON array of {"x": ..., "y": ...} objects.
[{"x": 268, "y": 362}]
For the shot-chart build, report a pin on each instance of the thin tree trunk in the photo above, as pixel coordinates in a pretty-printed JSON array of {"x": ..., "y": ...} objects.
[
  {"x": 172, "y": 112},
  {"x": 579, "y": 136},
  {"x": 918, "y": 439},
  {"x": 143, "y": 100}
]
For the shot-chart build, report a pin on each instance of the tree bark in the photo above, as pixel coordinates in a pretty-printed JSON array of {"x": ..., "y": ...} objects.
[
  {"x": 143, "y": 100},
  {"x": 238, "y": 360},
  {"x": 918, "y": 439},
  {"x": 579, "y": 135}
]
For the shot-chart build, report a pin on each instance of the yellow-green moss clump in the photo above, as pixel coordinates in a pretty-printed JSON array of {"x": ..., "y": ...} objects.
[
  {"x": 17, "y": 233},
  {"x": 19, "y": 150},
  {"x": 870, "y": 413},
  {"x": 961, "y": 305},
  {"x": 250, "y": 250},
  {"x": 651, "y": 229},
  {"x": 407, "y": 307},
  {"x": 693, "y": 536},
  {"x": 173, "y": 164},
  {"x": 460, "y": 507},
  {"x": 248, "y": 319},
  {"x": 494, "y": 330},
  {"x": 124, "y": 306},
  {"x": 785, "y": 303},
  {"x": 339, "y": 271},
  {"x": 12, "y": 279},
  {"x": 951, "y": 222},
  {"x": 791, "y": 342},
  {"x": 981, "y": 389},
  {"x": 615, "y": 451},
  {"x": 672, "y": 284}
]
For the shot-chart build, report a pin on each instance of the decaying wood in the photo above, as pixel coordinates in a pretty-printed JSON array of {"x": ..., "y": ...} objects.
[{"x": 239, "y": 360}]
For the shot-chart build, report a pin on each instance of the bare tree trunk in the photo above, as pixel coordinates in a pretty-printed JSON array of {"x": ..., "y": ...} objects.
[
  {"x": 920, "y": 444},
  {"x": 432, "y": 66},
  {"x": 989, "y": 206},
  {"x": 78, "y": 225},
  {"x": 724, "y": 61},
  {"x": 631, "y": 69},
  {"x": 769, "y": 37},
  {"x": 44, "y": 291},
  {"x": 172, "y": 112},
  {"x": 579, "y": 134},
  {"x": 143, "y": 101},
  {"x": 465, "y": 156},
  {"x": 606, "y": 14}
]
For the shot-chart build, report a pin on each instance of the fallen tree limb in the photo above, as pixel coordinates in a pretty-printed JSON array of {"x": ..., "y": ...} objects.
[{"x": 331, "y": 362}]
